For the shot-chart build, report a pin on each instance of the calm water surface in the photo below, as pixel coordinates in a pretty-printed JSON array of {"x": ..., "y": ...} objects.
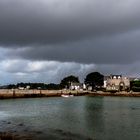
[{"x": 76, "y": 118}]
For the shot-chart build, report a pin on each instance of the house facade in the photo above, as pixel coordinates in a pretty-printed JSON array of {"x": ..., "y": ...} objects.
[
  {"x": 116, "y": 83},
  {"x": 77, "y": 86}
]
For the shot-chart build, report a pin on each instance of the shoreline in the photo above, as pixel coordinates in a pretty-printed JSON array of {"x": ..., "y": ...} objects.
[
  {"x": 11, "y": 94},
  {"x": 127, "y": 94}
]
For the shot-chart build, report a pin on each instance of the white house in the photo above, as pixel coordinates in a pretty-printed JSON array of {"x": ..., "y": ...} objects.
[{"x": 77, "y": 86}]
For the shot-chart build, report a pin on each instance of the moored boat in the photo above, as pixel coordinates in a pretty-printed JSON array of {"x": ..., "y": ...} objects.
[{"x": 66, "y": 95}]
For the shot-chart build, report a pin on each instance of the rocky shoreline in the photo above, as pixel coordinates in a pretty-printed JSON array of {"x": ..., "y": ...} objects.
[
  {"x": 12, "y": 136},
  {"x": 123, "y": 94}
]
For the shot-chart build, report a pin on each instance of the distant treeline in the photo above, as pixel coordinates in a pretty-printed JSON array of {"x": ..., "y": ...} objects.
[
  {"x": 65, "y": 83},
  {"x": 33, "y": 86}
]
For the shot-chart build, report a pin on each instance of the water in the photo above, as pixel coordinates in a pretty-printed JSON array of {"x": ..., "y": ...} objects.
[{"x": 76, "y": 118}]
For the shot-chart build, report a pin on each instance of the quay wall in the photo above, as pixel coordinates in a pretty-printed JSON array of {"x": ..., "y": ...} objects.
[{"x": 16, "y": 93}]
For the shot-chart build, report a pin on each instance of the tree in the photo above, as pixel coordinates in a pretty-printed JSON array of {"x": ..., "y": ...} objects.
[
  {"x": 135, "y": 85},
  {"x": 67, "y": 80},
  {"x": 94, "y": 79},
  {"x": 53, "y": 86}
]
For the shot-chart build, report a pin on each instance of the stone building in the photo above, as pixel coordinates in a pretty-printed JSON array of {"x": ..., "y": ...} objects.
[{"x": 116, "y": 83}]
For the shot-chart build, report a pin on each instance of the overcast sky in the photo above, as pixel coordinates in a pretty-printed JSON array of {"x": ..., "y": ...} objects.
[{"x": 46, "y": 40}]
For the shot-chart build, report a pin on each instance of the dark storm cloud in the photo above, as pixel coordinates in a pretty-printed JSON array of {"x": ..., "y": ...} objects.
[
  {"x": 119, "y": 49},
  {"x": 45, "y": 40},
  {"x": 52, "y": 21}
]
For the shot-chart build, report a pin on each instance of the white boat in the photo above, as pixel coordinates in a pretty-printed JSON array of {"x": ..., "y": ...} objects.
[{"x": 66, "y": 95}]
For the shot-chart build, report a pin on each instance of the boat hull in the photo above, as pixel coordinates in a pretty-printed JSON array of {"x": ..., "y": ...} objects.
[{"x": 66, "y": 96}]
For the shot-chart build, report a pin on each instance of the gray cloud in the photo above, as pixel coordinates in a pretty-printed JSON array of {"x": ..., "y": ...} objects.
[
  {"x": 53, "y": 21},
  {"x": 82, "y": 31},
  {"x": 47, "y": 40},
  {"x": 41, "y": 71},
  {"x": 119, "y": 49},
  {"x": 53, "y": 71}
]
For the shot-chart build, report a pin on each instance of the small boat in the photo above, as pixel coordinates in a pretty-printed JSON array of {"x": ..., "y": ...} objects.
[{"x": 66, "y": 95}]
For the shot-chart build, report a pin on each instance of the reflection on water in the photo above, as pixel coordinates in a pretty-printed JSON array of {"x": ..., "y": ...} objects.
[
  {"x": 97, "y": 118},
  {"x": 3, "y": 115},
  {"x": 94, "y": 115}
]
